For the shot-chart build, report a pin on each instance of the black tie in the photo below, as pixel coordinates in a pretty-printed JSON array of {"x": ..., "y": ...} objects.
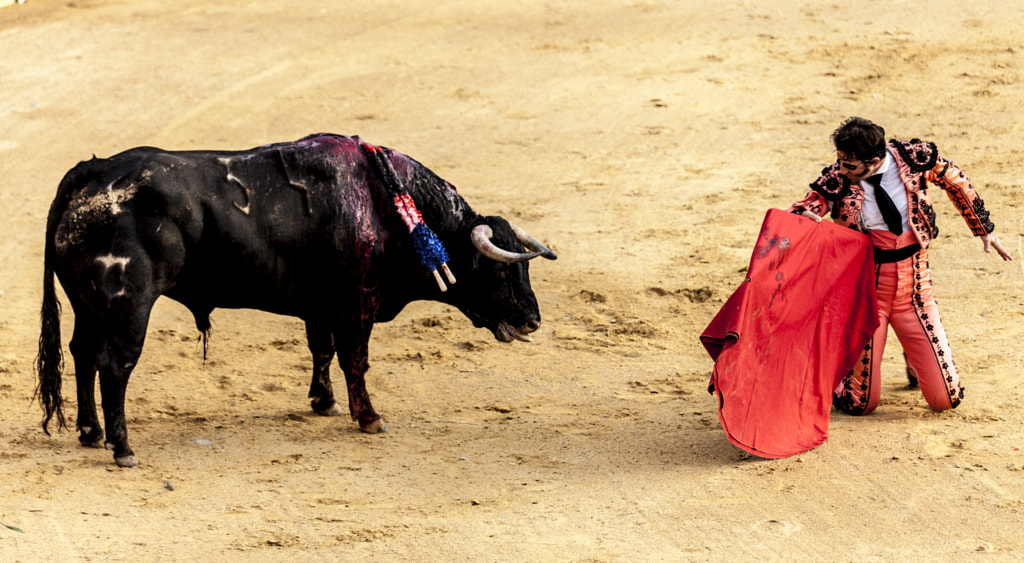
[{"x": 892, "y": 216}]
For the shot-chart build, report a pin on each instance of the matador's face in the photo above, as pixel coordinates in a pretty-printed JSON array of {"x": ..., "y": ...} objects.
[{"x": 856, "y": 170}]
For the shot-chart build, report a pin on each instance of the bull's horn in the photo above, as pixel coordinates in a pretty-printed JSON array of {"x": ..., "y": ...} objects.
[
  {"x": 481, "y": 237},
  {"x": 532, "y": 243}
]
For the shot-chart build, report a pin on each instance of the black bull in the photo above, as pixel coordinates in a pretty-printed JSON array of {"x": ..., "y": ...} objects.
[{"x": 313, "y": 229}]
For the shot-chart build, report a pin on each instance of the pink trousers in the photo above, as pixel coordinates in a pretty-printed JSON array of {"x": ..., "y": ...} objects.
[{"x": 905, "y": 302}]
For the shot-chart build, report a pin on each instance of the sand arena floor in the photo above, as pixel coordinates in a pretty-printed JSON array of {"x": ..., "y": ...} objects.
[{"x": 643, "y": 141}]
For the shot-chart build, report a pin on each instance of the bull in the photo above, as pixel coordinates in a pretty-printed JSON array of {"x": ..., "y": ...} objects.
[{"x": 330, "y": 229}]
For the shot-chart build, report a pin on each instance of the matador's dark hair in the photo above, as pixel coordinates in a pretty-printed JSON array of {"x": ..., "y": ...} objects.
[{"x": 860, "y": 139}]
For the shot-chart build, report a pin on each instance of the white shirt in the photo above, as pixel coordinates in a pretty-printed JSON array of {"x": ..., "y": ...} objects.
[{"x": 893, "y": 185}]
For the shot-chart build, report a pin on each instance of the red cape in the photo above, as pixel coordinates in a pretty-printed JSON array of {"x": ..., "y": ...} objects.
[{"x": 791, "y": 332}]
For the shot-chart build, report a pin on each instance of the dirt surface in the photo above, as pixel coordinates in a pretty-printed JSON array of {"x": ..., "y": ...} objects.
[{"x": 644, "y": 142}]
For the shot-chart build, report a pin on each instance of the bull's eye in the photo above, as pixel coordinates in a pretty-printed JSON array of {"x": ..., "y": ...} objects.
[{"x": 502, "y": 271}]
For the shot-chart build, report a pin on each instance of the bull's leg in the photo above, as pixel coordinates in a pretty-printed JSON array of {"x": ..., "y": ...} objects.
[
  {"x": 321, "y": 345},
  {"x": 352, "y": 356},
  {"x": 113, "y": 383},
  {"x": 126, "y": 333},
  {"x": 85, "y": 346}
]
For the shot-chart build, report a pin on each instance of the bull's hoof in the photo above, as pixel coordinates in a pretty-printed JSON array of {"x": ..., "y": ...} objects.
[
  {"x": 126, "y": 461},
  {"x": 375, "y": 427},
  {"x": 90, "y": 437},
  {"x": 911, "y": 380},
  {"x": 333, "y": 410}
]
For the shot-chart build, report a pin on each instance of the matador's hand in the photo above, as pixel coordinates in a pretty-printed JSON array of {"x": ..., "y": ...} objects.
[
  {"x": 813, "y": 215},
  {"x": 992, "y": 241}
]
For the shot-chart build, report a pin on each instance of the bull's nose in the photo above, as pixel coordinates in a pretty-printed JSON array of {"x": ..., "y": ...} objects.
[{"x": 531, "y": 326}]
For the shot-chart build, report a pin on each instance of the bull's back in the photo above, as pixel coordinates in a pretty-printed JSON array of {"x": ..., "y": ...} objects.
[
  {"x": 286, "y": 226},
  {"x": 115, "y": 228},
  {"x": 268, "y": 228}
]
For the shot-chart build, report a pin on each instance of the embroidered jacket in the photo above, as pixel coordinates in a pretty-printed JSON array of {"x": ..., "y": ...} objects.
[{"x": 919, "y": 164}]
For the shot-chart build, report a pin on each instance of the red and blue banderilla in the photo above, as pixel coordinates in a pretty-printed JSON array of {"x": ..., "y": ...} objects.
[{"x": 428, "y": 246}]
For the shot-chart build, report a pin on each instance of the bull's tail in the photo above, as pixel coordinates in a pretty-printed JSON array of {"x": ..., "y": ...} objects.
[{"x": 50, "y": 361}]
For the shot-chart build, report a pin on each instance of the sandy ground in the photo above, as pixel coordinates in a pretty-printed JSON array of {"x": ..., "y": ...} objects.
[{"x": 643, "y": 141}]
